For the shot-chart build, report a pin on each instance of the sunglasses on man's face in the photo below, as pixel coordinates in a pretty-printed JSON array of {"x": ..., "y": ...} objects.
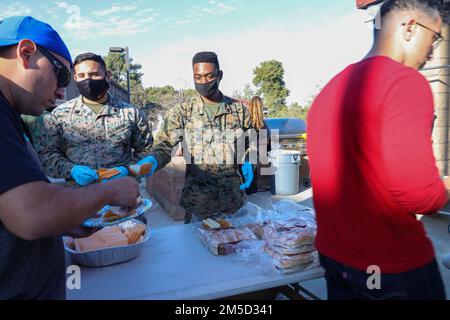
[{"x": 62, "y": 73}]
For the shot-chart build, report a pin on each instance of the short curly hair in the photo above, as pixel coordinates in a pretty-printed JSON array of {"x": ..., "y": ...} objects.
[
  {"x": 208, "y": 57},
  {"x": 433, "y": 8}
]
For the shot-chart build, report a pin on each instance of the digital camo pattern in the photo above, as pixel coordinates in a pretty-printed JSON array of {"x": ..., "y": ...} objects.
[
  {"x": 213, "y": 149},
  {"x": 75, "y": 135}
]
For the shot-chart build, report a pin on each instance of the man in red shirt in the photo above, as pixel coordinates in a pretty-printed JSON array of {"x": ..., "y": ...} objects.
[{"x": 372, "y": 165}]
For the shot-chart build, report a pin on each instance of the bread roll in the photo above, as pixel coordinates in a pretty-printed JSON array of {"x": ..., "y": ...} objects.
[
  {"x": 210, "y": 224},
  {"x": 224, "y": 224},
  {"x": 134, "y": 234},
  {"x": 216, "y": 224}
]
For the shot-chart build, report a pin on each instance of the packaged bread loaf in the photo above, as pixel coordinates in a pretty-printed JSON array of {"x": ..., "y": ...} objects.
[
  {"x": 290, "y": 236},
  {"x": 257, "y": 228},
  {"x": 290, "y": 263},
  {"x": 222, "y": 241}
]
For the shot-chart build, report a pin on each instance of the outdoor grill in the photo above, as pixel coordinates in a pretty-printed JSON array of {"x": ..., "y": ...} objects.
[{"x": 290, "y": 131}]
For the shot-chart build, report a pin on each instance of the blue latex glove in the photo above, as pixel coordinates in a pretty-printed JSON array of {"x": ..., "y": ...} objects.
[
  {"x": 123, "y": 173},
  {"x": 152, "y": 160},
  {"x": 83, "y": 175},
  {"x": 247, "y": 171}
]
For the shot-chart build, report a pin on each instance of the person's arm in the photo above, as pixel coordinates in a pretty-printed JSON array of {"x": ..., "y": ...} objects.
[
  {"x": 170, "y": 135},
  {"x": 412, "y": 176},
  {"x": 142, "y": 139},
  {"x": 446, "y": 181},
  {"x": 39, "y": 210},
  {"x": 51, "y": 149}
]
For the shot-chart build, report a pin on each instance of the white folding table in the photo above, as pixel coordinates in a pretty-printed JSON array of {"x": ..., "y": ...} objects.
[{"x": 175, "y": 265}]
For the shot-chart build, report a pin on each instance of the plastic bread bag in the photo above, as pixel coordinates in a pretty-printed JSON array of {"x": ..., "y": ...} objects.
[
  {"x": 290, "y": 250},
  {"x": 258, "y": 254},
  {"x": 250, "y": 213},
  {"x": 291, "y": 233},
  {"x": 253, "y": 217},
  {"x": 274, "y": 262},
  {"x": 249, "y": 251},
  {"x": 286, "y": 209},
  {"x": 223, "y": 241}
]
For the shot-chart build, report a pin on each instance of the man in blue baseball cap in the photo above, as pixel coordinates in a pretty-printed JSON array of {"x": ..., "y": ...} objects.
[
  {"x": 35, "y": 40},
  {"x": 34, "y": 69}
]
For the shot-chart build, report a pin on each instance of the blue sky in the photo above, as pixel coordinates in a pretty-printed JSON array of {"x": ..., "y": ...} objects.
[{"x": 313, "y": 38}]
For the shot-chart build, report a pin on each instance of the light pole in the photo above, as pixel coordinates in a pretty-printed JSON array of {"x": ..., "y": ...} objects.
[
  {"x": 183, "y": 90},
  {"x": 127, "y": 62}
]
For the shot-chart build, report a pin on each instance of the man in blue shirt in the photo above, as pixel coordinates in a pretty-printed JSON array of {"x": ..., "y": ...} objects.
[{"x": 34, "y": 69}]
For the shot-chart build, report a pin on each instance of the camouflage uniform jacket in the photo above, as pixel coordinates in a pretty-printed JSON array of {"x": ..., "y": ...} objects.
[
  {"x": 75, "y": 135},
  {"x": 212, "y": 153},
  {"x": 35, "y": 125}
]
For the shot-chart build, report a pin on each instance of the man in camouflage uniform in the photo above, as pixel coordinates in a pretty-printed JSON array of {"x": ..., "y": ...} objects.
[
  {"x": 34, "y": 125},
  {"x": 211, "y": 128},
  {"x": 93, "y": 131}
]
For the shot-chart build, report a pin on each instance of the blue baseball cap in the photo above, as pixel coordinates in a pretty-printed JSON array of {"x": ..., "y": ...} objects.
[{"x": 15, "y": 29}]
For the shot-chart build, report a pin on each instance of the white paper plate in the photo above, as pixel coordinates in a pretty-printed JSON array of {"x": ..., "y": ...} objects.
[{"x": 99, "y": 223}]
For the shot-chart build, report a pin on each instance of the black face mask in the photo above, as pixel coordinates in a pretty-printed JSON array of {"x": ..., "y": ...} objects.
[
  {"x": 93, "y": 89},
  {"x": 207, "y": 90}
]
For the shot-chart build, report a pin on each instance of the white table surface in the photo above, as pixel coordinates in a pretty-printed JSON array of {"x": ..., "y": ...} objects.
[{"x": 174, "y": 264}]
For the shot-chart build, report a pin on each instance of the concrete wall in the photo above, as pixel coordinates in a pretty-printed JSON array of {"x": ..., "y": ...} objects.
[{"x": 439, "y": 81}]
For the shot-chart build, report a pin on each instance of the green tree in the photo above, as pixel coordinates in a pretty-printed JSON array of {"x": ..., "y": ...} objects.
[
  {"x": 115, "y": 62},
  {"x": 158, "y": 100},
  {"x": 138, "y": 97},
  {"x": 269, "y": 80},
  {"x": 295, "y": 110},
  {"x": 246, "y": 94}
]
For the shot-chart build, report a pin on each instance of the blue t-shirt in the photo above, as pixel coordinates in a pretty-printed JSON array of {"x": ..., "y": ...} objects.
[{"x": 28, "y": 269}]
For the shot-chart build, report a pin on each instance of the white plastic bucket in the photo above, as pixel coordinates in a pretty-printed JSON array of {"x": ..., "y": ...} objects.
[{"x": 285, "y": 181}]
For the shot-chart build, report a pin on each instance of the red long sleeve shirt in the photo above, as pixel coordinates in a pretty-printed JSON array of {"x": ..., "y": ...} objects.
[{"x": 372, "y": 166}]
